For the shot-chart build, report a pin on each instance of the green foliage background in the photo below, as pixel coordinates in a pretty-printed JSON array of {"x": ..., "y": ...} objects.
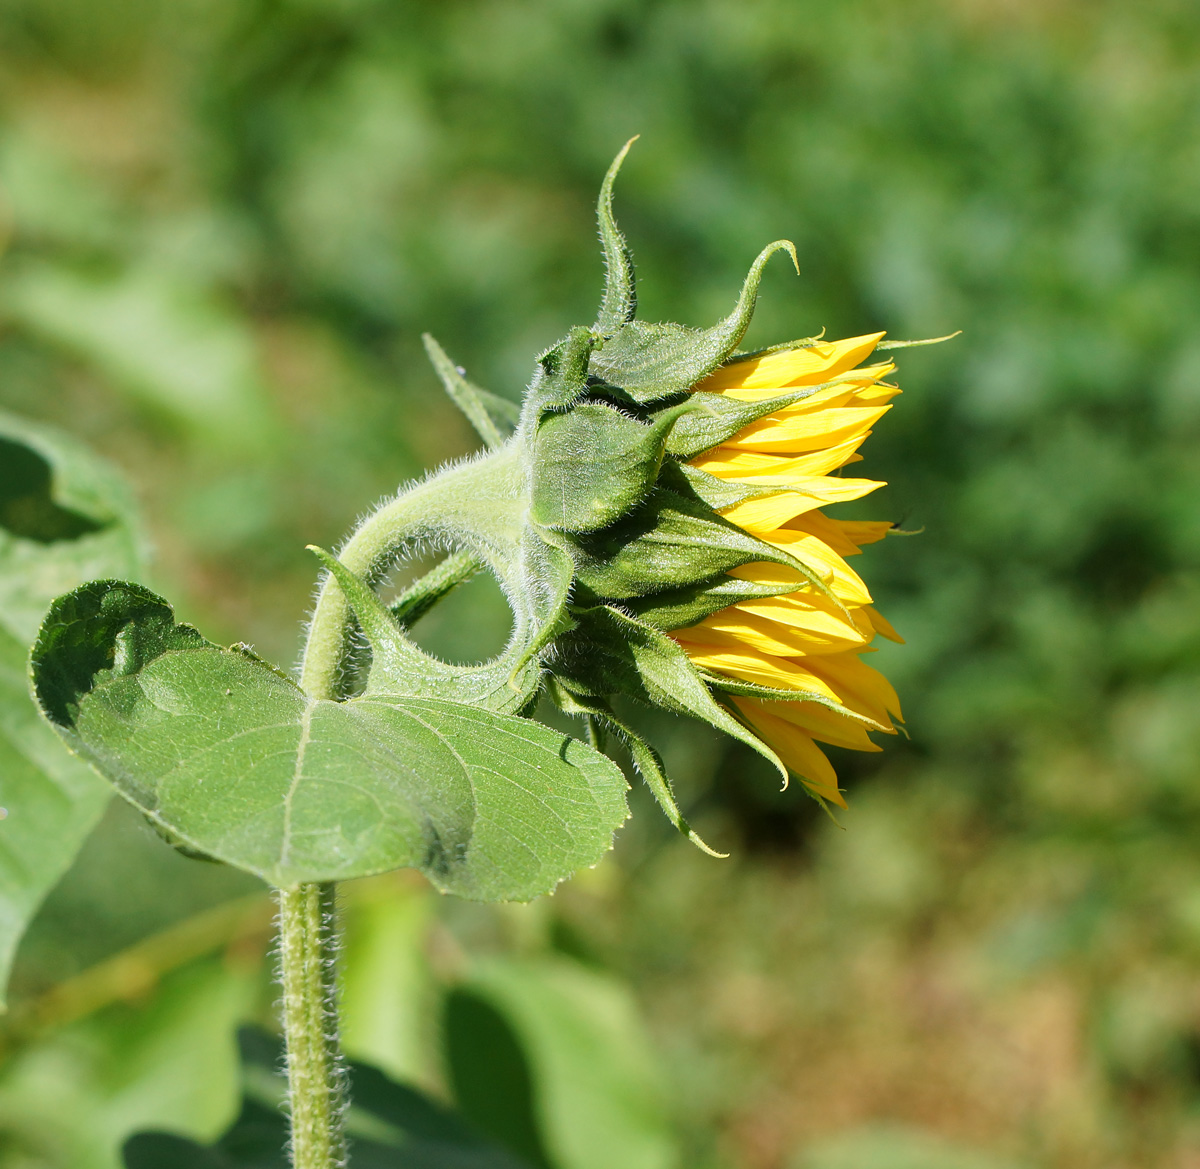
[{"x": 228, "y": 223}]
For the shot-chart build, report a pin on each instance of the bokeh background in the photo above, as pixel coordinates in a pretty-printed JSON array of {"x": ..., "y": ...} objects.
[{"x": 227, "y": 224}]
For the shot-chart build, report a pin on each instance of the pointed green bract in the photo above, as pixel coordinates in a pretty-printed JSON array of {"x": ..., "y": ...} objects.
[
  {"x": 707, "y": 420},
  {"x": 679, "y": 608},
  {"x": 229, "y": 755},
  {"x": 561, "y": 378},
  {"x": 717, "y": 493},
  {"x": 493, "y": 417},
  {"x": 619, "y": 304},
  {"x": 727, "y": 685},
  {"x": 671, "y": 542},
  {"x": 650, "y": 362},
  {"x": 613, "y": 653},
  {"x": 645, "y": 758},
  {"x": 622, "y": 457}
]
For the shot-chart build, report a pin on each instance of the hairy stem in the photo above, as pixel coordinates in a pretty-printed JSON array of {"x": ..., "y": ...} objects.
[{"x": 316, "y": 1079}]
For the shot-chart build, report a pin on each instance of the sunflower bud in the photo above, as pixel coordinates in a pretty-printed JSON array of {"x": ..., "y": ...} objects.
[{"x": 654, "y": 515}]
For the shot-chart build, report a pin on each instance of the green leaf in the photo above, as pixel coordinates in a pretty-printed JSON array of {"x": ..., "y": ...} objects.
[
  {"x": 64, "y": 516},
  {"x": 592, "y": 464},
  {"x": 391, "y": 1125},
  {"x": 620, "y": 289},
  {"x": 493, "y": 417},
  {"x": 51, "y": 801},
  {"x": 650, "y": 361},
  {"x": 162, "y": 340},
  {"x": 228, "y": 754},
  {"x": 670, "y": 542},
  {"x": 597, "y": 1100}
]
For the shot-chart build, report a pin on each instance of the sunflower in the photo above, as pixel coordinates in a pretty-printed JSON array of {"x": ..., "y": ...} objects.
[{"x": 811, "y": 640}]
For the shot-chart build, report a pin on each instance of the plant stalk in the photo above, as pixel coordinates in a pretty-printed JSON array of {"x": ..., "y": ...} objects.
[{"x": 316, "y": 1076}]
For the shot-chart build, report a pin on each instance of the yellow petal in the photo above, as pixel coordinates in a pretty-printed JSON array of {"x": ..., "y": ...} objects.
[
  {"x": 846, "y": 584},
  {"x": 860, "y": 532},
  {"x": 761, "y": 468},
  {"x": 801, "y": 755},
  {"x": 793, "y": 433},
  {"x": 840, "y": 387},
  {"x": 828, "y": 531},
  {"x": 876, "y": 395},
  {"x": 822, "y": 623},
  {"x": 794, "y": 367},
  {"x": 773, "y": 511},
  {"x": 859, "y": 686},
  {"x": 751, "y": 665},
  {"x": 881, "y": 625},
  {"x": 820, "y": 722},
  {"x": 735, "y": 626}
]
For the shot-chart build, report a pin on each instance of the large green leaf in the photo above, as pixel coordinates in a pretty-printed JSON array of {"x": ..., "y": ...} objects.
[
  {"x": 64, "y": 516},
  {"x": 596, "y": 1099},
  {"x": 228, "y": 754},
  {"x": 50, "y": 801},
  {"x": 157, "y": 337}
]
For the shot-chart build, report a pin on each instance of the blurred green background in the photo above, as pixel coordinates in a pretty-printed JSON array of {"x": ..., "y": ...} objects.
[{"x": 228, "y": 222}]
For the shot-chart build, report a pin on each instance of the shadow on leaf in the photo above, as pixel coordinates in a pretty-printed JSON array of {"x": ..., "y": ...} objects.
[{"x": 27, "y": 505}]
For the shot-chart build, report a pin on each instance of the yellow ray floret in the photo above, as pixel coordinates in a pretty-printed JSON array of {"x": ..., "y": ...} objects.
[
  {"x": 755, "y": 467},
  {"x": 798, "y": 751},
  {"x": 806, "y": 641},
  {"x": 808, "y": 365},
  {"x": 802, "y": 431},
  {"x": 806, "y": 492}
]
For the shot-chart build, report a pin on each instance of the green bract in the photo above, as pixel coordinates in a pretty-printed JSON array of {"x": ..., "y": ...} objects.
[{"x": 384, "y": 756}]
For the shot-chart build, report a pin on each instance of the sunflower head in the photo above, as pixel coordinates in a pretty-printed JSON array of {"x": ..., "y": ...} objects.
[{"x": 655, "y": 512}]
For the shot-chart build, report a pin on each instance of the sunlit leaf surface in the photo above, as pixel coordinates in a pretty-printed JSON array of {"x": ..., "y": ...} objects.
[{"x": 227, "y": 754}]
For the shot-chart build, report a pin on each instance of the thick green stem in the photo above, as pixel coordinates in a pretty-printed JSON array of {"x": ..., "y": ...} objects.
[{"x": 316, "y": 1080}]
